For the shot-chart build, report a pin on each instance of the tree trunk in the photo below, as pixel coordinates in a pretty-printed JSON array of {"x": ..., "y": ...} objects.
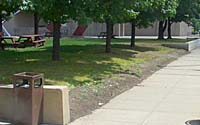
[
  {"x": 112, "y": 29},
  {"x": 1, "y": 25},
  {"x": 162, "y": 28},
  {"x": 133, "y": 35},
  {"x": 165, "y": 26},
  {"x": 169, "y": 29},
  {"x": 160, "y": 31},
  {"x": 56, "y": 41},
  {"x": 36, "y": 21},
  {"x": 109, "y": 36}
]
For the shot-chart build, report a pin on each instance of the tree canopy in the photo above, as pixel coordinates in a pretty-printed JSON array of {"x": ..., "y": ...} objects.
[
  {"x": 8, "y": 7},
  {"x": 113, "y": 10},
  {"x": 187, "y": 10}
]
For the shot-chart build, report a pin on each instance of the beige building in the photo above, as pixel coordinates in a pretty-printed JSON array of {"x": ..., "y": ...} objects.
[
  {"x": 22, "y": 23},
  {"x": 178, "y": 29}
]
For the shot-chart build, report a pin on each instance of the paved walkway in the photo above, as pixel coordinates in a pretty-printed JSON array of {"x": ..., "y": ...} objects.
[{"x": 171, "y": 96}]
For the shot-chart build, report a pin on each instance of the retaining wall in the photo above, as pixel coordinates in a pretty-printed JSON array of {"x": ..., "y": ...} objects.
[
  {"x": 56, "y": 104},
  {"x": 189, "y": 46}
]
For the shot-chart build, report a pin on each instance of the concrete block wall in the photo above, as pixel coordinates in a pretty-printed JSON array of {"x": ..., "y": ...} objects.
[
  {"x": 56, "y": 104},
  {"x": 189, "y": 46}
]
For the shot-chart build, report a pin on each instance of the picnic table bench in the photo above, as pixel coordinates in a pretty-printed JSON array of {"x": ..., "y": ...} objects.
[
  {"x": 104, "y": 35},
  {"x": 4, "y": 42}
]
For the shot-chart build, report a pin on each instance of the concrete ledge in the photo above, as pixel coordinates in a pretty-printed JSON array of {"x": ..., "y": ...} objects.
[
  {"x": 56, "y": 104},
  {"x": 189, "y": 46},
  {"x": 5, "y": 123}
]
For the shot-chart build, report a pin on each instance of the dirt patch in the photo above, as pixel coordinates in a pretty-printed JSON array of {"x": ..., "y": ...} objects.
[{"x": 85, "y": 99}]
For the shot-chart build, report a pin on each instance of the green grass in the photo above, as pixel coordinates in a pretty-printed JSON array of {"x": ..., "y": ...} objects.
[{"x": 83, "y": 60}]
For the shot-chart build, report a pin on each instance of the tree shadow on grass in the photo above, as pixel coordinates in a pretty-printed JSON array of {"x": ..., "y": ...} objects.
[
  {"x": 136, "y": 48},
  {"x": 79, "y": 65}
]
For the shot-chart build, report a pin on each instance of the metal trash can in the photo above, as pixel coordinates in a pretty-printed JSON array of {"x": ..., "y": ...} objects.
[
  {"x": 28, "y": 98},
  {"x": 193, "y": 122}
]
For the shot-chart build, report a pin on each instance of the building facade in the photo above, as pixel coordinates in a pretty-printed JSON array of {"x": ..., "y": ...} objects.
[{"x": 23, "y": 23}]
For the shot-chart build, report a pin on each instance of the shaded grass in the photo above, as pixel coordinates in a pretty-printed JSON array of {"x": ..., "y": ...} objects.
[{"x": 83, "y": 60}]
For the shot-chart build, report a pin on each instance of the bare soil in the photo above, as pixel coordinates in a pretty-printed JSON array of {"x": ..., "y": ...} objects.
[{"x": 85, "y": 99}]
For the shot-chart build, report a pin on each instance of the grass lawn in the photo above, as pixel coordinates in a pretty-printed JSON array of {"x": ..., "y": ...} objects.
[{"x": 83, "y": 60}]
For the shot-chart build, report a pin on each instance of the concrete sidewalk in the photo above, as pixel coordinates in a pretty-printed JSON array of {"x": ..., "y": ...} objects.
[{"x": 171, "y": 96}]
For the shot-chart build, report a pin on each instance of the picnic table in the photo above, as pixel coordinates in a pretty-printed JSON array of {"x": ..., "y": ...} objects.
[
  {"x": 104, "y": 35},
  {"x": 35, "y": 40},
  {"x": 23, "y": 41},
  {"x": 4, "y": 42}
]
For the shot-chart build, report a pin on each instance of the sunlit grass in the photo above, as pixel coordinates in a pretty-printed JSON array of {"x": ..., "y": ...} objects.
[{"x": 83, "y": 61}]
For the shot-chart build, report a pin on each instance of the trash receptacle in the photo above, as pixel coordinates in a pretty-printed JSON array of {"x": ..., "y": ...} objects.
[{"x": 28, "y": 98}]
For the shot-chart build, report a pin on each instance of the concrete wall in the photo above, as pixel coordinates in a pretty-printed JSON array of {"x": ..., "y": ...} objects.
[
  {"x": 178, "y": 29},
  {"x": 94, "y": 29},
  {"x": 56, "y": 104},
  {"x": 22, "y": 23},
  {"x": 185, "y": 30},
  {"x": 150, "y": 31},
  {"x": 189, "y": 46}
]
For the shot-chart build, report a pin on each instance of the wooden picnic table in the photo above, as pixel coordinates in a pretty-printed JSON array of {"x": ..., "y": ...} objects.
[
  {"x": 35, "y": 40},
  {"x": 23, "y": 41}
]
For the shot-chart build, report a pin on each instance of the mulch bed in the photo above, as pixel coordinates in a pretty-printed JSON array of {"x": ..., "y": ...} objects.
[{"x": 85, "y": 99}]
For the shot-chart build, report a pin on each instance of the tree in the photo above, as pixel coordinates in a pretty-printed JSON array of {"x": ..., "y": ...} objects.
[
  {"x": 58, "y": 12},
  {"x": 186, "y": 11},
  {"x": 196, "y": 24},
  {"x": 7, "y": 8},
  {"x": 166, "y": 9},
  {"x": 110, "y": 12},
  {"x": 144, "y": 11}
]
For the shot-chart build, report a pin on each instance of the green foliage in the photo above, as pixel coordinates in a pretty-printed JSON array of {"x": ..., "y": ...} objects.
[
  {"x": 187, "y": 10},
  {"x": 145, "y": 10},
  {"x": 53, "y": 10},
  {"x": 82, "y": 18},
  {"x": 28, "y": 5},
  {"x": 196, "y": 25},
  {"x": 165, "y": 9},
  {"x": 114, "y": 11},
  {"x": 79, "y": 8},
  {"x": 62, "y": 10},
  {"x": 8, "y": 7}
]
